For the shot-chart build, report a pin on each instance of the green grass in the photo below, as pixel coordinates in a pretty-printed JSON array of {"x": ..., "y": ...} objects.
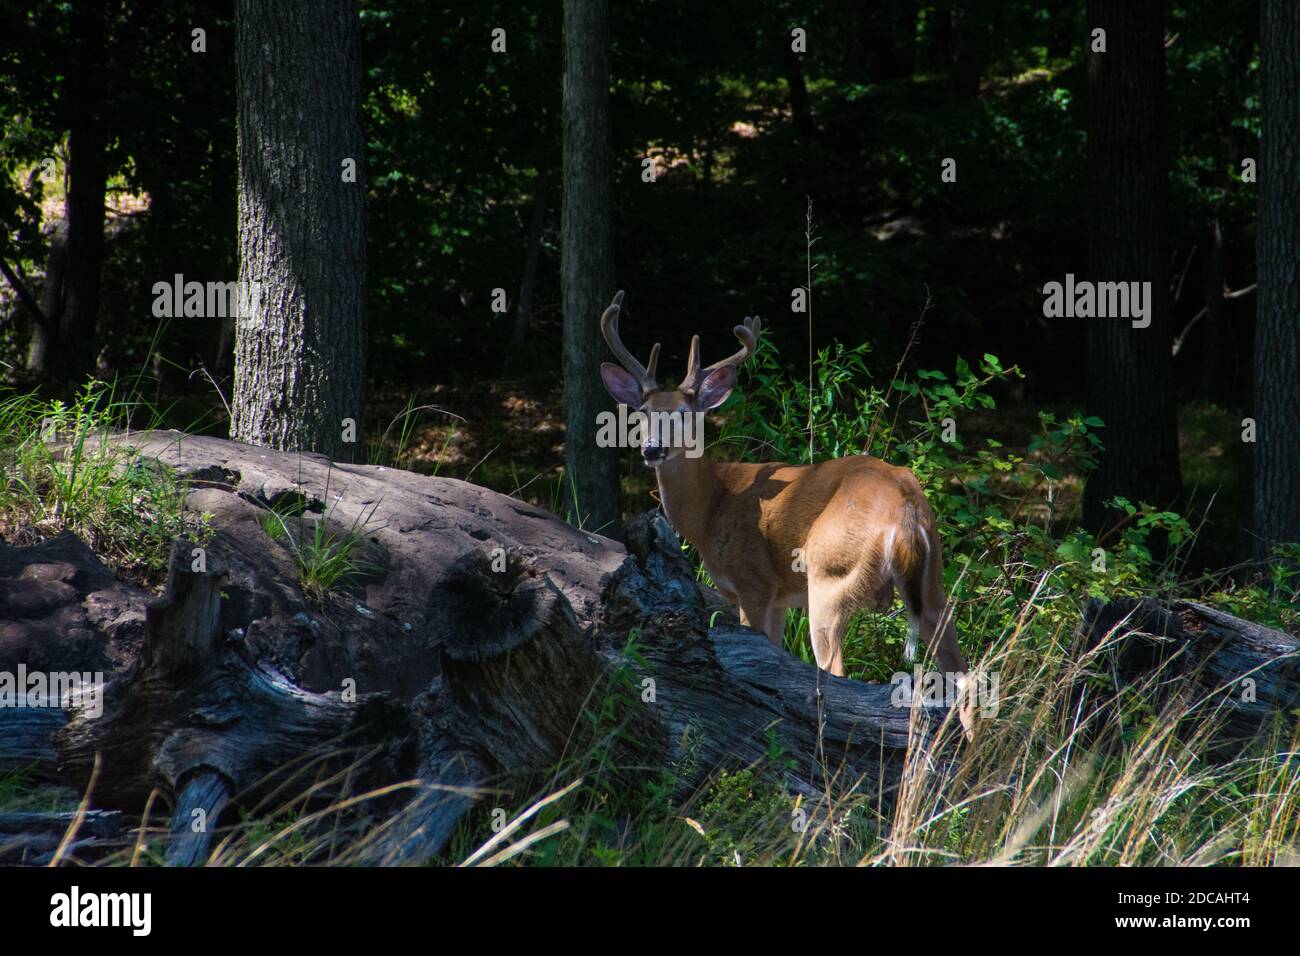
[
  {"x": 328, "y": 555},
  {"x": 62, "y": 469},
  {"x": 20, "y": 790}
]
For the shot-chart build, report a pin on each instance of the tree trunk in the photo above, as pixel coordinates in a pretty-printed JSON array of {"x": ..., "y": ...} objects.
[
  {"x": 528, "y": 285},
  {"x": 1277, "y": 329},
  {"x": 970, "y": 31},
  {"x": 1130, "y": 374},
  {"x": 591, "y": 491},
  {"x": 87, "y": 173},
  {"x": 800, "y": 110},
  {"x": 300, "y": 352},
  {"x": 44, "y": 332},
  {"x": 889, "y": 39}
]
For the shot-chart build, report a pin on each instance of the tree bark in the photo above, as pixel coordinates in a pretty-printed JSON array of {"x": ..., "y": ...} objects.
[
  {"x": 1277, "y": 331},
  {"x": 528, "y": 285},
  {"x": 1130, "y": 373},
  {"x": 195, "y": 718},
  {"x": 87, "y": 175},
  {"x": 800, "y": 109},
  {"x": 1220, "y": 382},
  {"x": 888, "y": 33},
  {"x": 300, "y": 354},
  {"x": 591, "y": 482},
  {"x": 970, "y": 30},
  {"x": 44, "y": 334}
]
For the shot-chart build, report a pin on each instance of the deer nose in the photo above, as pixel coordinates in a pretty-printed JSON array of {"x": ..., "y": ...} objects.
[{"x": 654, "y": 454}]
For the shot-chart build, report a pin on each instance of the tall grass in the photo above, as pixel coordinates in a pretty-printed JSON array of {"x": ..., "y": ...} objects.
[
  {"x": 1070, "y": 771},
  {"x": 61, "y": 471}
]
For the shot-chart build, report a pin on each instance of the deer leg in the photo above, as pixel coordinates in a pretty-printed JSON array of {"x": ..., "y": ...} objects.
[
  {"x": 826, "y": 619},
  {"x": 774, "y": 625},
  {"x": 763, "y": 616},
  {"x": 929, "y": 615},
  {"x": 941, "y": 640}
]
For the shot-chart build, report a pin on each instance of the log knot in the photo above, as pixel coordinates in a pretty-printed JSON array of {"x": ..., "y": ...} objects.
[{"x": 490, "y": 607}]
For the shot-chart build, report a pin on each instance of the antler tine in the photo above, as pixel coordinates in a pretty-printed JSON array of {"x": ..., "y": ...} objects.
[
  {"x": 693, "y": 361},
  {"x": 651, "y": 366},
  {"x": 644, "y": 375},
  {"x": 747, "y": 332}
]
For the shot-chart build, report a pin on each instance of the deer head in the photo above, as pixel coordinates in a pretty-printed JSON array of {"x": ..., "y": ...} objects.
[{"x": 702, "y": 388}]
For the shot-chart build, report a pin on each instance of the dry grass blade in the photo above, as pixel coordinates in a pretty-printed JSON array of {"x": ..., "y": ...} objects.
[
  {"x": 517, "y": 822},
  {"x": 70, "y": 834}
]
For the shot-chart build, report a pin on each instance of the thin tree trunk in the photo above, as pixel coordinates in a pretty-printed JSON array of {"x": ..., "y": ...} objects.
[
  {"x": 890, "y": 40},
  {"x": 1277, "y": 327},
  {"x": 587, "y": 265},
  {"x": 300, "y": 354},
  {"x": 1130, "y": 375},
  {"x": 970, "y": 27},
  {"x": 799, "y": 107},
  {"x": 528, "y": 285},
  {"x": 1216, "y": 363},
  {"x": 87, "y": 173},
  {"x": 56, "y": 263}
]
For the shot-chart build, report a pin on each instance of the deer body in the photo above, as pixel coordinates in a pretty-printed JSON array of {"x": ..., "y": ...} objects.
[{"x": 835, "y": 537}]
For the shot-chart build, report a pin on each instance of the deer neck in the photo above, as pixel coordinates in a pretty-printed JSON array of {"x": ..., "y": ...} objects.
[{"x": 688, "y": 489}]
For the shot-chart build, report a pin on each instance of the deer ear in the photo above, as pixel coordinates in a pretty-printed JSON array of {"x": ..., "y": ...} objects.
[
  {"x": 716, "y": 388},
  {"x": 621, "y": 384}
]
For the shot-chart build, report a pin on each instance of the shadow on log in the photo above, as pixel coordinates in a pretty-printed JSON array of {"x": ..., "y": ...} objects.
[
  {"x": 194, "y": 718},
  {"x": 1244, "y": 674}
]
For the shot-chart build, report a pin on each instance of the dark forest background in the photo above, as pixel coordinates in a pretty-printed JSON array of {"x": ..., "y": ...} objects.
[{"x": 119, "y": 162}]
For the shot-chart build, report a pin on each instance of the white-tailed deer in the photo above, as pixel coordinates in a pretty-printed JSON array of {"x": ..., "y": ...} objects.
[{"x": 834, "y": 537}]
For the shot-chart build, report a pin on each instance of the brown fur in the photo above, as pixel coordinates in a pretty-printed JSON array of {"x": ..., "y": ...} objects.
[
  {"x": 840, "y": 513},
  {"x": 862, "y": 527}
]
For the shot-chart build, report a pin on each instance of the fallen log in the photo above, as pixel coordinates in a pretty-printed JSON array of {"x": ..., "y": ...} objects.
[
  {"x": 194, "y": 717},
  {"x": 486, "y": 643},
  {"x": 1239, "y": 673},
  {"x": 94, "y": 823},
  {"x": 27, "y": 740},
  {"x": 522, "y": 628},
  {"x": 33, "y": 836}
]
